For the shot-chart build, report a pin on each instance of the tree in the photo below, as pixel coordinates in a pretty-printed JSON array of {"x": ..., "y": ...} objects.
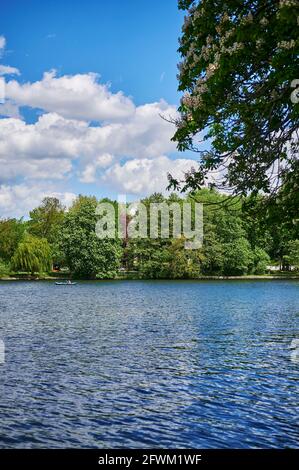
[
  {"x": 11, "y": 233},
  {"x": 271, "y": 225},
  {"x": 261, "y": 261},
  {"x": 184, "y": 264},
  {"x": 86, "y": 255},
  {"x": 213, "y": 256},
  {"x": 45, "y": 220},
  {"x": 32, "y": 255},
  {"x": 238, "y": 257},
  {"x": 152, "y": 257},
  {"x": 4, "y": 268},
  {"x": 239, "y": 62},
  {"x": 292, "y": 258}
]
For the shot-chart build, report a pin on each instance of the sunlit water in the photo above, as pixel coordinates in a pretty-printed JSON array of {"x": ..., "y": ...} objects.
[{"x": 149, "y": 364}]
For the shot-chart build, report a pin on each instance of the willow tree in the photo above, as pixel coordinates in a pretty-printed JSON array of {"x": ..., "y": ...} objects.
[
  {"x": 32, "y": 255},
  {"x": 238, "y": 72},
  {"x": 11, "y": 233}
]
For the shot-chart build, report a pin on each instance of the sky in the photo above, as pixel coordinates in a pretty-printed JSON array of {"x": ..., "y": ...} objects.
[{"x": 84, "y": 86}]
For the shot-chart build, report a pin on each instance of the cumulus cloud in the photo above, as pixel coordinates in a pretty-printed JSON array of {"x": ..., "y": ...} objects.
[
  {"x": 50, "y": 137},
  {"x": 19, "y": 199},
  {"x": 7, "y": 108},
  {"x": 85, "y": 133},
  {"x": 77, "y": 96},
  {"x": 89, "y": 174},
  {"x": 27, "y": 149},
  {"x": 8, "y": 70},
  {"x": 144, "y": 175},
  {"x": 44, "y": 169}
]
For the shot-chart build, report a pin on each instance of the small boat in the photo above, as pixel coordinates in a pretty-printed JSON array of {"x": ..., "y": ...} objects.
[{"x": 65, "y": 283}]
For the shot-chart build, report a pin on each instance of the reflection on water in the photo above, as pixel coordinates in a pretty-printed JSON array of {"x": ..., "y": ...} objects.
[{"x": 149, "y": 364}]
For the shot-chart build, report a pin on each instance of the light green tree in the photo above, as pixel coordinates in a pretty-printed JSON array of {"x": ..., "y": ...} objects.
[
  {"x": 261, "y": 260},
  {"x": 11, "y": 233},
  {"x": 238, "y": 257},
  {"x": 32, "y": 255}
]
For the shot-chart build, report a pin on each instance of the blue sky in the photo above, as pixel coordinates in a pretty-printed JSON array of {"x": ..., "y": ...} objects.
[
  {"x": 130, "y": 43},
  {"x": 71, "y": 131}
]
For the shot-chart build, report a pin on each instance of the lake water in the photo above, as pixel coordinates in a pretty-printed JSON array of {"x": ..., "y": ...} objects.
[{"x": 149, "y": 364}]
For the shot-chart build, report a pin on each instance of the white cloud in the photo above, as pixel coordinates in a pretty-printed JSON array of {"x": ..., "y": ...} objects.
[
  {"x": 128, "y": 149},
  {"x": 89, "y": 174},
  {"x": 18, "y": 200},
  {"x": 2, "y": 44},
  {"x": 43, "y": 169},
  {"x": 145, "y": 176},
  {"x": 7, "y": 108},
  {"x": 8, "y": 70},
  {"x": 50, "y": 137},
  {"x": 72, "y": 96},
  {"x": 2, "y": 90},
  {"x": 27, "y": 149},
  {"x": 146, "y": 134}
]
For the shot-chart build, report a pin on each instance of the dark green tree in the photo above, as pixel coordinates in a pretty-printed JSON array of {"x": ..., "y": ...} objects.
[
  {"x": 239, "y": 63},
  {"x": 45, "y": 220},
  {"x": 292, "y": 256},
  {"x": 84, "y": 253}
]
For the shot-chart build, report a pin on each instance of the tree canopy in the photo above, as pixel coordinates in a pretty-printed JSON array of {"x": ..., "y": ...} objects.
[
  {"x": 11, "y": 233},
  {"x": 235, "y": 242},
  {"x": 46, "y": 219},
  {"x": 239, "y": 63},
  {"x": 32, "y": 255},
  {"x": 85, "y": 254}
]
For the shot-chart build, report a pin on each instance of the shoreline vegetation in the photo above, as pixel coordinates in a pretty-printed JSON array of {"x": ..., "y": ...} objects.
[
  {"x": 253, "y": 277},
  {"x": 243, "y": 238},
  {"x": 262, "y": 277}
]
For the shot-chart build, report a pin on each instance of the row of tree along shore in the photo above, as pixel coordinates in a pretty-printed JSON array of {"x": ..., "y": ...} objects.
[{"x": 242, "y": 237}]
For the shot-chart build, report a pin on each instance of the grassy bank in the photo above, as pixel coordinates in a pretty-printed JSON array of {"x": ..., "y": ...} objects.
[{"x": 123, "y": 277}]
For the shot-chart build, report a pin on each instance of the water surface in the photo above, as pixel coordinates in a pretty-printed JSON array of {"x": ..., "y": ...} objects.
[{"x": 149, "y": 364}]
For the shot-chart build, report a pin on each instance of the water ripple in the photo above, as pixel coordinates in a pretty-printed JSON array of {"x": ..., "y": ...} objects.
[{"x": 149, "y": 364}]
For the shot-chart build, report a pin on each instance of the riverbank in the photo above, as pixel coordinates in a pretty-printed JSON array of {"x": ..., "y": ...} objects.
[{"x": 252, "y": 277}]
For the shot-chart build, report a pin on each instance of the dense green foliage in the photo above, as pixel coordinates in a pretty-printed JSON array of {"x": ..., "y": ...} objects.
[
  {"x": 11, "y": 233},
  {"x": 86, "y": 255},
  {"x": 4, "y": 269},
  {"x": 236, "y": 241},
  {"x": 292, "y": 258},
  {"x": 45, "y": 220},
  {"x": 32, "y": 255},
  {"x": 238, "y": 71}
]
